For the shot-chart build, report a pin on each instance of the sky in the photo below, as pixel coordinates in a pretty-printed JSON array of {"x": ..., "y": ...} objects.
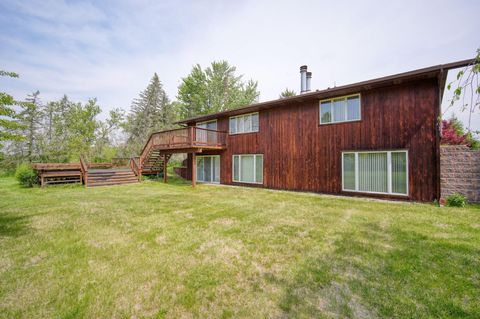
[{"x": 110, "y": 49}]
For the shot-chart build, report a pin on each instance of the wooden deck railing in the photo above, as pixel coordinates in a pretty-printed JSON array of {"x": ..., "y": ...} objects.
[
  {"x": 84, "y": 169},
  {"x": 188, "y": 137},
  {"x": 135, "y": 166}
]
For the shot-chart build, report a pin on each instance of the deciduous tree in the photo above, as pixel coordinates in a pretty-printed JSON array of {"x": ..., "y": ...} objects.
[
  {"x": 9, "y": 125},
  {"x": 214, "y": 89},
  {"x": 466, "y": 90}
]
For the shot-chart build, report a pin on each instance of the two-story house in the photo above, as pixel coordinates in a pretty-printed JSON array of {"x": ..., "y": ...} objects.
[{"x": 375, "y": 138}]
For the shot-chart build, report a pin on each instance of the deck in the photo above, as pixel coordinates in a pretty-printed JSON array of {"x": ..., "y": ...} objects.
[{"x": 185, "y": 140}]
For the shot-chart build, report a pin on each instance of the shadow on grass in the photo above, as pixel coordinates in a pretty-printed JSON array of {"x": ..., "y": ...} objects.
[{"x": 12, "y": 226}]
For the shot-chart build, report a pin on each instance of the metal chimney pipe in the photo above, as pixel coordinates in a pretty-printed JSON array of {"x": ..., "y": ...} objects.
[
  {"x": 303, "y": 78},
  {"x": 309, "y": 82}
]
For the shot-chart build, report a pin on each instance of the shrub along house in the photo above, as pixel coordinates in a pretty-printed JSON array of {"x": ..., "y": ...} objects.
[{"x": 376, "y": 138}]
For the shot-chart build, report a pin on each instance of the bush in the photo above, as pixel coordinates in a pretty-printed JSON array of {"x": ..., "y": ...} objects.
[
  {"x": 456, "y": 200},
  {"x": 25, "y": 175}
]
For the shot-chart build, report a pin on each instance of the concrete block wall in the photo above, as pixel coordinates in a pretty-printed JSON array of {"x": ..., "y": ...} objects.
[{"x": 460, "y": 171}]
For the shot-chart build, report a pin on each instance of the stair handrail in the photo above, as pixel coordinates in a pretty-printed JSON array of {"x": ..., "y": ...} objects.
[
  {"x": 134, "y": 166},
  {"x": 84, "y": 169}
]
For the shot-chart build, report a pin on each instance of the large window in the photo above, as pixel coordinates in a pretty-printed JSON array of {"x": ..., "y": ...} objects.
[
  {"x": 375, "y": 172},
  {"x": 248, "y": 168},
  {"x": 244, "y": 123},
  {"x": 342, "y": 109}
]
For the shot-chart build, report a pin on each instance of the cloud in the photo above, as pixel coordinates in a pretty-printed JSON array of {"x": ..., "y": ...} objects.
[{"x": 110, "y": 49}]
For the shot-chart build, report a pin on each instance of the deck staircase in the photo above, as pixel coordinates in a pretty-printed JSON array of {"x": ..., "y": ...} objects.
[
  {"x": 111, "y": 176},
  {"x": 154, "y": 162},
  {"x": 154, "y": 157}
]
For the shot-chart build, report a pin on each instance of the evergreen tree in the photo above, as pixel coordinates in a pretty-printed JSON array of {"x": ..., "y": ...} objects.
[
  {"x": 214, "y": 89},
  {"x": 150, "y": 112},
  {"x": 30, "y": 117}
]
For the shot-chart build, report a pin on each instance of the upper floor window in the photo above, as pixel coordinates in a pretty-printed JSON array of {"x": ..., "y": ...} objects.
[
  {"x": 205, "y": 133},
  {"x": 341, "y": 109},
  {"x": 209, "y": 125},
  {"x": 245, "y": 123}
]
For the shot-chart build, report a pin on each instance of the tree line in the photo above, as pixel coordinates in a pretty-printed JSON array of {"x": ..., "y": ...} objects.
[{"x": 60, "y": 131}]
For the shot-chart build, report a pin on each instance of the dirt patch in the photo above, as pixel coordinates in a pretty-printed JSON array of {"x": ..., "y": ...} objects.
[
  {"x": 160, "y": 239},
  {"x": 5, "y": 264},
  {"x": 224, "y": 221}
]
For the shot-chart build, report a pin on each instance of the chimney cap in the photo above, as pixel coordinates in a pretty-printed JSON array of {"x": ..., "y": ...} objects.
[
  {"x": 303, "y": 68},
  {"x": 309, "y": 74}
]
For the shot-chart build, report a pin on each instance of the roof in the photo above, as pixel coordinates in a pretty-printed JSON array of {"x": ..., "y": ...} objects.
[{"x": 425, "y": 73}]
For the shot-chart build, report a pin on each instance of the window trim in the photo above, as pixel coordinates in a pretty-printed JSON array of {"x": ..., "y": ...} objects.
[
  {"x": 251, "y": 123},
  {"x": 389, "y": 173},
  {"x": 332, "y": 109},
  {"x": 254, "y": 168}
]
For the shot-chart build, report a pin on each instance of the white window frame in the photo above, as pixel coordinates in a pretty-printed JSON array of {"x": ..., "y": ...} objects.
[
  {"x": 389, "y": 173},
  {"x": 333, "y": 109},
  {"x": 254, "y": 168},
  {"x": 198, "y": 157},
  {"x": 251, "y": 123}
]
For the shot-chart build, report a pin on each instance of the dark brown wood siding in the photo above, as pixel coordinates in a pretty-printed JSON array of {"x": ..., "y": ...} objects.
[{"x": 300, "y": 154}]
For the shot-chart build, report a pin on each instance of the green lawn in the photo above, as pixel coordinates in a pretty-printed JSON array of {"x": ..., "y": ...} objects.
[{"x": 152, "y": 250}]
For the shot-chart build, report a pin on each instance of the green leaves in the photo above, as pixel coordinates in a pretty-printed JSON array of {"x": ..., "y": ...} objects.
[
  {"x": 214, "y": 89},
  {"x": 467, "y": 89},
  {"x": 287, "y": 93},
  {"x": 9, "y": 125},
  {"x": 460, "y": 74},
  {"x": 8, "y": 74}
]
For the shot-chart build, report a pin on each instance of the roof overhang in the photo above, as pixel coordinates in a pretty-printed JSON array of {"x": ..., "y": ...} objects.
[{"x": 437, "y": 71}]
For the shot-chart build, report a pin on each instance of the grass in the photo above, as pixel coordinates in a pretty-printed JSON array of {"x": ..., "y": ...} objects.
[{"x": 152, "y": 250}]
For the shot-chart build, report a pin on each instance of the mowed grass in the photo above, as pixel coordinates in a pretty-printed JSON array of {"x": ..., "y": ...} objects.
[{"x": 152, "y": 250}]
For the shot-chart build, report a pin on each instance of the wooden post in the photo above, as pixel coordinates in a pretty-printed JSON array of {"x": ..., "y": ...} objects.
[
  {"x": 165, "y": 168},
  {"x": 194, "y": 170}
]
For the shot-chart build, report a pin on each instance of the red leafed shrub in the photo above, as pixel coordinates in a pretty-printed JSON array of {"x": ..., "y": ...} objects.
[
  {"x": 453, "y": 133},
  {"x": 450, "y": 134}
]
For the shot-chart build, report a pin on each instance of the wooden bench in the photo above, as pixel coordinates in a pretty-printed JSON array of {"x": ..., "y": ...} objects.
[{"x": 60, "y": 177}]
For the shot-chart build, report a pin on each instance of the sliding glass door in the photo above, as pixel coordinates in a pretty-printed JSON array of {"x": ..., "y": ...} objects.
[{"x": 208, "y": 169}]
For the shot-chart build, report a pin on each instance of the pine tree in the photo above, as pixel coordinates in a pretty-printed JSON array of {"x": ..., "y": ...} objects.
[
  {"x": 30, "y": 117},
  {"x": 150, "y": 112}
]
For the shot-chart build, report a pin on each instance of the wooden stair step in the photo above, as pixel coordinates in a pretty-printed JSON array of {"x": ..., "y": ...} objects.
[
  {"x": 110, "y": 173},
  {"x": 110, "y": 176},
  {"x": 101, "y": 180},
  {"x": 93, "y": 181},
  {"x": 111, "y": 183}
]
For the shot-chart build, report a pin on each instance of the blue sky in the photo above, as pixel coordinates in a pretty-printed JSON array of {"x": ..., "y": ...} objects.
[{"x": 110, "y": 49}]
